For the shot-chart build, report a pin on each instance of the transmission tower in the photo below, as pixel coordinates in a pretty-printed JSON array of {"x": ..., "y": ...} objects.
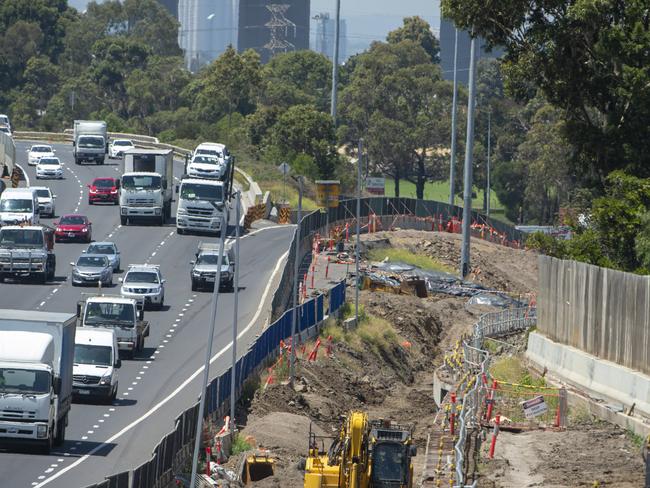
[{"x": 279, "y": 27}]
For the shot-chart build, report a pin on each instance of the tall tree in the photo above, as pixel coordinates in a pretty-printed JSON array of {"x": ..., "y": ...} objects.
[{"x": 418, "y": 30}]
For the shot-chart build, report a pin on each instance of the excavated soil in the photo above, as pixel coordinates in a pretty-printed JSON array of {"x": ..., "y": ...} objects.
[{"x": 395, "y": 382}]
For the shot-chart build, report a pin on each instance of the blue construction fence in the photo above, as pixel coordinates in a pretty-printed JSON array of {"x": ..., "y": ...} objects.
[{"x": 175, "y": 448}]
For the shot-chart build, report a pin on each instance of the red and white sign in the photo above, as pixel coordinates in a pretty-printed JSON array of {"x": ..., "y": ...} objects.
[{"x": 534, "y": 407}]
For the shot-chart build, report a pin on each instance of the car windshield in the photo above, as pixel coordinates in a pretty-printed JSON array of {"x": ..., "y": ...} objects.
[
  {"x": 93, "y": 261},
  {"x": 72, "y": 220},
  {"x": 5, "y": 130},
  {"x": 107, "y": 313},
  {"x": 212, "y": 259},
  {"x": 197, "y": 191},
  {"x": 104, "y": 183},
  {"x": 205, "y": 160},
  {"x": 211, "y": 152},
  {"x": 144, "y": 182},
  {"x": 24, "y": 381},
  {"x": 48, "y": 161},
  {"x": 101, "y": 249},
  {"x": 91, "y": 142},
  {"x": 21, "y": 238},
  {"x": 90, "y": 354},
  {"x": 43, "y": 193},
  {"x": 41, "y": 149},
  {"x": 122, "y": 143},
  {"x": 141, "y": 277},
  {"x": 16, "y": 205}
]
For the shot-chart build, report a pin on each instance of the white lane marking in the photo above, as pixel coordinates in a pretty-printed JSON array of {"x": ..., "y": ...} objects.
[
  {"x": 130, "y": 388},
  {"x": 95, "y": 426},
  {"x": 26, "y": 175},
  {"x": 125, "y": 393},
  {"x": 91, "y": 432},
  {"x": 180, "y": 388},
  {"x": 42, "y": 303},
  {"x": 101, "y": 421},
  {"x": 48, "y": 470},
  {"x": 60, "y": 460},
  {"x": 54, "y": 291},
  {"x": 84, "y": 437}
]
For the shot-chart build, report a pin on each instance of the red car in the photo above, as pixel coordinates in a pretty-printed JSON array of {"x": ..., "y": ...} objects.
[
  {"x": 104, "y": 189},
  {"x": 73, "y": 227}
]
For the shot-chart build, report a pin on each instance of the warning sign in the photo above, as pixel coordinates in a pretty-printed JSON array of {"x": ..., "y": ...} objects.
[
  {"x": 534, "y": 407},
  {"x": 327, "y": 193}
]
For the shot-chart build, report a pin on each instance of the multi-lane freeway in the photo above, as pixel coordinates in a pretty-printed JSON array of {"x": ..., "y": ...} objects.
[{"x": 165, "y": 380}]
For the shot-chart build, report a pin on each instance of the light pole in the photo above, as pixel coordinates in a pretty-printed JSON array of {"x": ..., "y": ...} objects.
[
  {"x": 452, "y": 162},
  {"x": 296, "y": 265},
  {"x": 335, "y": 61},
  {"x": 235, "y": 313},
  {"x": 469, "y": 148},
  {"x": 208, "y": 353},
  {"x": 489, "y": 147},
  {"x": 356, "y": 251}
]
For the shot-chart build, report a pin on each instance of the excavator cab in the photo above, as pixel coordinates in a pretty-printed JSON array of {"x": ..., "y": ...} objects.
[{"x": 391, "y": 454}]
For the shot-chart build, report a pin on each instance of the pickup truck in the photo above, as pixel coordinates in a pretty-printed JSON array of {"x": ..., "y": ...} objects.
[
  {"x": 124, "y": 315},
  {"x": 27, "y": 251}
]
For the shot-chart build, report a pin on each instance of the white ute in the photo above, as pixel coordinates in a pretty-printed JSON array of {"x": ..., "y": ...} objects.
[{"x": 96, "y": 357}]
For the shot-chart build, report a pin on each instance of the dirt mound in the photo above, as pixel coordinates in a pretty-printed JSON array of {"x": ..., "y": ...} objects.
[
  {"x": 280, "y": 431},
  {"x": 493, "y": 265}
]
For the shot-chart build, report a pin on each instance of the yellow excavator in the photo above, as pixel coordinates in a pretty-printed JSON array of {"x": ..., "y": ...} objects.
[{"x": 366, "y": 454}]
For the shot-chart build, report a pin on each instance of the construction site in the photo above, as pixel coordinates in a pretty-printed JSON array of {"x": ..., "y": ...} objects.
[{"x": 387, "y": 371}]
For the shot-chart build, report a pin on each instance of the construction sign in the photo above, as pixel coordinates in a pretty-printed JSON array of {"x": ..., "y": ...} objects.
[
  {"x": 376, "y": 185},
  {"x": 327, "y": 193},
  {"x": 534, "y": 407}
]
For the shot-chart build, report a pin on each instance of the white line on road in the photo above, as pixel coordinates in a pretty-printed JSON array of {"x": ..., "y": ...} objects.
[{"x": 180, "y": 388}]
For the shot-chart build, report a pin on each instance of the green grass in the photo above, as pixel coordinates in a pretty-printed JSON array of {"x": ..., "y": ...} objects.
[
  {"x": 406, "y": 256},
  {"x": 239, "y": 445},
  {"x": 512, "y": 370},
  {"x": 439, "y": 191},
  {"x": 373, "y": 332}
]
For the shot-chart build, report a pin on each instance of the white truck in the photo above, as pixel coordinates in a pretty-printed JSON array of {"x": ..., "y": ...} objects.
[
  {"x": 89, "y": 141},
  {"x": 27, "y": 252},
  {"x": 36, "y": 357},
  {"x": 146, "y": 191},
  {"x": 202, "y": 205},
  {"x": 119, "y": 313},
  {"x": 96, "y": 359}
]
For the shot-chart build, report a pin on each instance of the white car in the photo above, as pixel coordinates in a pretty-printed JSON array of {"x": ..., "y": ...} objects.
[
  {"x": 118, "y": 146},
  {"x": 46, "y": 199},
  {"x": 214, "y": 149},
  {"x": 49, "y": 167},
  {"x": 145, "y": 283},
  {"x": 4, "y": 120},
  {"x": 6, "y": 129},
  {"x": 96, "y": 358},
  {"x": 203, "y": 166},
  {"x": 38, "y": 151}
]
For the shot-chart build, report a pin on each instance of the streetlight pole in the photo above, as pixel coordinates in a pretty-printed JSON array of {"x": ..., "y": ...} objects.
[
  {"x": 335, "y": 62},
  {"x": 452, "y": 163},
  {"x": 489, "y": 147},
  {"x": 469, "y": 148},
  {"x": 296, "y": 266},
  {"x": 208, "y": 354},
  {"x": 235, "y": 313},
  {"x": 356, "y": 252}
]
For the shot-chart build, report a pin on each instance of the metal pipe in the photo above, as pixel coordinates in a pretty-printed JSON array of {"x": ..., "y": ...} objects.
[
  {"x": 469, "y": 148},
  {"x": 452, "y": 163},
  {"x": 208, "y": 353},
  {"x": 489, "y": 150},
  {"x": 296, "y": 265},
  {"x": 235, "y": 312}
]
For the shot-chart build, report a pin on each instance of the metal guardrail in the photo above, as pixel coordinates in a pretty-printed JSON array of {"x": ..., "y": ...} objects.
[{"x": 477, "y": 361}]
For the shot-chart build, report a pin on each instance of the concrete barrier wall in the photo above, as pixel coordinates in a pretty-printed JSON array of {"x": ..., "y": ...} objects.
[{"x": 616, "y": 383}]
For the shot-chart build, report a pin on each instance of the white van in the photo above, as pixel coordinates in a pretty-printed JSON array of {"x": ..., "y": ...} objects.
[
  {"x": 95, "y": 359},
  {"x": 18, "y": 205}
]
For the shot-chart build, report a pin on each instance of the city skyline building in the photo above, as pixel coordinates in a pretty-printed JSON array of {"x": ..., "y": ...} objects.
[{"x": 325, "y": 36}]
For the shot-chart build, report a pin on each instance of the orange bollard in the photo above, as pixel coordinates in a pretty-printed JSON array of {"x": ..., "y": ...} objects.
[
  {"x": 490, "y": 400},
  {"x": 493, "y": 443},
  {"x": 452, "y": 417}
]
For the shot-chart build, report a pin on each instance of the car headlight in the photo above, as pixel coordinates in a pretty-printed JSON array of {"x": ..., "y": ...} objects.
[
  {"x": 182, "y": 211},
  {"x": 41, "y": 431},
  {"x": 196, "y": 273},
  {"x": 106, "y": 379},
  {"x": 84, "y": 230}
]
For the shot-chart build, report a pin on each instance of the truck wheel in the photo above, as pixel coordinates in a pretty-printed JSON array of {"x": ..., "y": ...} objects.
[
  {"x": 60, "y": 432},
  {"x": 2, "y": 278},
  {"x": 162, "y": 219},
  {"x": 46, "y": 446},
  {"x": 113, "y": 395},
  {"x": 42, "y": 277},
  {"x": 123, "y": 220},
  {"x": 194, "y": 286},
  {"x": 180, "y": 231}
]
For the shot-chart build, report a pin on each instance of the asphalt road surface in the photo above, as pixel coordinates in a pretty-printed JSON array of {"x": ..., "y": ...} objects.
[{"x": 165, "y": 379}]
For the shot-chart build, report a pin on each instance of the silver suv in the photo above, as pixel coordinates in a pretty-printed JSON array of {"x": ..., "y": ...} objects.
[{"x": 145, "y": 283}]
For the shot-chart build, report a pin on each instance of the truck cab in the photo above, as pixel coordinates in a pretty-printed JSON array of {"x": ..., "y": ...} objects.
[
  {"x": 146, "y": 189},
  {"x": 205, "y": 266},
  {"x": 27, "y": 251},
  {"x": 202, "y": 206},
  {"x": 19, "y": 206},
  {"x": 121, "y": 314},
  {"x": 96, "y": 359}
]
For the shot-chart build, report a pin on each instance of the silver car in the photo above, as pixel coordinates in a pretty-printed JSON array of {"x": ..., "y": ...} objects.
[
  {"x": 145, "y": 283},
  {"x": 109, "y": 249},
  {"x": 92, "y": 269}
]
